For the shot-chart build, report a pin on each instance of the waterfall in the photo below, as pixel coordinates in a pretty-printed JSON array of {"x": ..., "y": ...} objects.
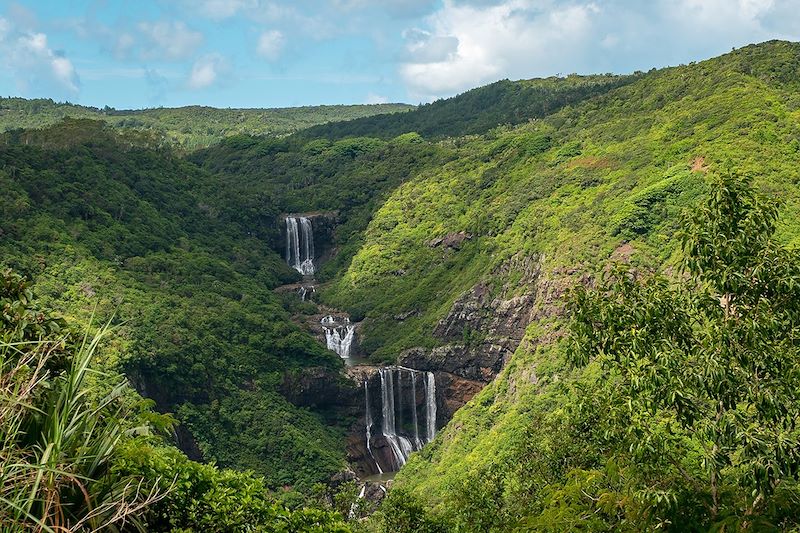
[
  {"x": 401, "y": 447},
  {"x": 306, "y": 293},
  {"x": 430, "y": 405},
  {"x": 369, "y": 428},
  {"x": 339, "y": 337},
  {"x": 300, "y": 244},
  {"x": 395, "y": 399},
  {"x": 414, "y": 419}
]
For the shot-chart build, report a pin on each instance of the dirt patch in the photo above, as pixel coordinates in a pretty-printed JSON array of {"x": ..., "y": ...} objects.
[
  {"x": 699, "y": 164},
  {"x": 623, "y": 253}
]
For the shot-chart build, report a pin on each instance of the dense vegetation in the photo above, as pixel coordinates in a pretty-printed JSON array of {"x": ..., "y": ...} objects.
[
  {"x": 478, "y": 110},
  {"x": 103, "y": 221},
  {"x": 189, "y": 127},
  {"x": 659, "y": 395},
  {"x": 81, "y": 451},
  {"x": 620, "y": 169}
]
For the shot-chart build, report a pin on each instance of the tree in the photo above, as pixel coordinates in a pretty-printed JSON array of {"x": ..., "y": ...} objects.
[{"x": 703, "y": 373}]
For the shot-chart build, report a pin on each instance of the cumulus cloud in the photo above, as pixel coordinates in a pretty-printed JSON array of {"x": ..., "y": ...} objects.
[
  {"x": 470, "y": 44},
  {"x": 168, "y": 40},
  {"x": 271, "y": 44},
  {"x": 36, "y": 66},
  {"x": 373, "y": 98},
  {"x": 465, "y": 43},
  {"x": 207, "y": 71}
]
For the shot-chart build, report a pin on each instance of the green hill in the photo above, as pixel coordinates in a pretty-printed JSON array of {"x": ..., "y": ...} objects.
[
  {"x": 460, "y": 223},
  {"x": 604, "y": 180},
  {"x": 607, "y": 178},
  {"x": 478, "y": 110},
  {"x": 188, "y": 127},
  {"x": 109, "y": 226}
]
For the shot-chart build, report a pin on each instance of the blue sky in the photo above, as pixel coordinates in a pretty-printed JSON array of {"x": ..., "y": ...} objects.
[{"x": 277, "y": 53}]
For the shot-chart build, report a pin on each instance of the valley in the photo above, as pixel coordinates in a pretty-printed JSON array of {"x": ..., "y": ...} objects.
[{"x": 542, "y": 305}]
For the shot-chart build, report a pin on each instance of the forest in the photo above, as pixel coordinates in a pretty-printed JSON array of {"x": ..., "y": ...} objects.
[{"x": 154, "y": 371}]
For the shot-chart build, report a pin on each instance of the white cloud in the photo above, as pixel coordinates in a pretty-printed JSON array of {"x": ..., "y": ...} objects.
[
  {"x": 472, "y": 44},
  {"x": 207, "y": 70},
  {"x": 36, "y": 66},
  {"x": 271, "y": 44},
  {"x": 373, "y": 98},
  {"x": 169, "y": 40}
]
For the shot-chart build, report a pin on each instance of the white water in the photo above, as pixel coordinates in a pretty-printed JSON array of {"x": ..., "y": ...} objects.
[
  {"x": 306, "y": 293},
  {"x": 339, "y": 337},
  {"x": 430, "y": 405},
  {"x": 300, "y": 244},
  {"x": 403, "y": 441}
]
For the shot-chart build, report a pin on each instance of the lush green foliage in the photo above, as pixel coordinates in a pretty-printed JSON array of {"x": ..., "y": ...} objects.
[
  {"x": 200, "y": 497},
  {"x": 478, "y": 110},
  {"x": 77, "y": 446},
  {"x": 187, "y": 127},
  {"x": 603, "y": 174},
  {"x": 58, "y": 438},
  {"x": 100, "y": 221},
  {"x": 610, "y": 184},
  {"x": 703, "y": 376}
]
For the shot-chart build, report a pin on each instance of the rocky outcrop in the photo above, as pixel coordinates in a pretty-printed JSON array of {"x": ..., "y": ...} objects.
[
  {"x": 453, "y": 241},
  {"x": 481, "y": 332},
  {"x": 319, "y": 386}
]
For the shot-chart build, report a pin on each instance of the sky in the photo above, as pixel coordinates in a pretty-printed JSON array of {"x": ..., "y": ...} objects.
[{"x": 280, "y": 53}]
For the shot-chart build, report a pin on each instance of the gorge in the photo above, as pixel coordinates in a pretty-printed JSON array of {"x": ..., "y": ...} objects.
[{"x": 400, "y": 403}]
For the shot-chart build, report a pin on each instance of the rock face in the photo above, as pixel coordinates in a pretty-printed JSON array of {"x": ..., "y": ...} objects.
[
  {"x": 451, "y": 240},
  {"x": 319, "y": 387},
  {"x": 482, "y": 330}
]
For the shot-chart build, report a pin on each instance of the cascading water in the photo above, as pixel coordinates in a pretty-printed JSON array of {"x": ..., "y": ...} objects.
[
  {"x": 300, "y": 244},
  {"x": 339, "y": 335},
  {"x": 430, "y": 405},
  {"x": 395, "y": 400},
  {"x": 306, "y": 293}
]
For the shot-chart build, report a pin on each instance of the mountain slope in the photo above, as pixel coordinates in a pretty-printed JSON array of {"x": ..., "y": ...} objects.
[
  {"x": 478, "y": 110},
  {"x": 605, "y": 180},
  {"x": 108, "y": 225}
]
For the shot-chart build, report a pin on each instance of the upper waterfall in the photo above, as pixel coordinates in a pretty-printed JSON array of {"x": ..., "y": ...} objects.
[{"x": 300, "y": 244}]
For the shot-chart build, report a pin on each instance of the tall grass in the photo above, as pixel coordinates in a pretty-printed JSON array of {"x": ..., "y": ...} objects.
[{"x": 57, "y": 440}]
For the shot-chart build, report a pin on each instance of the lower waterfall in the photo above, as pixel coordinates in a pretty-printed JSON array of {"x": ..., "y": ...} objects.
[{"x": 398, "y": 396}]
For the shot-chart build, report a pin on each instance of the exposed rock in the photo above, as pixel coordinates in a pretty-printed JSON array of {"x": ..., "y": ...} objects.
[
  {"x": 455, "y": 392},
  {"x": 339, "y": 478},
  {"x": 319, "y": 386},
  {"x": 451, "y": 240},
  {"x": 403, "y": 316},
  {"x": 483, "y": 329}
]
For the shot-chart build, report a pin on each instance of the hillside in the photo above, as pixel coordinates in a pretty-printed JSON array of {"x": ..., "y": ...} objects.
[
  {"x": 109, "y": 226},
  {"x": 188, "y": 127},
  {"x": 472, "y": 240},
  {"x": 478, "y": 110},
  {"x": 605, "y": 180}
]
